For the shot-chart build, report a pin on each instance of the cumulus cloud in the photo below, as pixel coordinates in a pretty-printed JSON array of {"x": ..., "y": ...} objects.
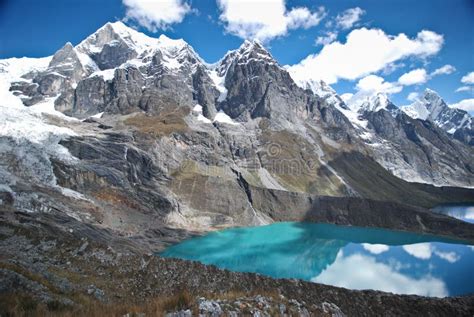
[
  {"x": 466, "y": 104},
  {"x": 265, "y": 20},
  {"x": 348, "y": 18},
  {"x": 468, "y": 79},
  {"x": 414, "y": 77},
  {"x": 326, "y": 39},
  {"x": 424, "y": 251},
  {"x": 155, "y": 15},
  {"x": 451, "y": 257},
  {"x": 352, "y": 60},
  {"x": 465, "y": 88},
  {"x": 444, "y": 70},
  {"x": 412, "y": 96},
  {"x": 342, "y": 21},
  {"x": 420, "y": 76},
  {"x": 375, "y": 248},
  {"x": 357, "y": 271},
  {"x": 367, "y": 88},
  {"x": 303, "y": 18},
  {"x": 419, "y": 250},
  {"x": 376, "y": 84},
  {"x": 346, "y": 97}
]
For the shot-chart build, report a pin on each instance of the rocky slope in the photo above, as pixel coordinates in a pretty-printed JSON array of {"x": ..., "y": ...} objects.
[{"x": 65, "y": 268}]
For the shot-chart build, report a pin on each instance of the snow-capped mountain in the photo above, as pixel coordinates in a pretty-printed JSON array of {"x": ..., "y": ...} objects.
[
  {"x": 115, "y": 44},
  {"x": 372, "y": 103},
  {"x": 398, "y": 140},
  {"x": 95, "y": 61},
  {"x": 430, "y": 106},
  {"x": 318, "y": 87},
  {"x": 142, "y": 123}
]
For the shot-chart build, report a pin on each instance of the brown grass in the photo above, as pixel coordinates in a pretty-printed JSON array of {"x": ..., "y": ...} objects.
[
  {"x": 29, "y": 275},
  {"x": 18, "y": 305},
  {"x": 160, "y": 125},
  {"x": 22, "y": 305},
  {"x": 295, "y": 164}
]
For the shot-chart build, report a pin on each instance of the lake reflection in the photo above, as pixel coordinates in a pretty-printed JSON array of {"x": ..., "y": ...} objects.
[
  {"x": 351, "y": 257},
  {"x": 459, "y": 211}
]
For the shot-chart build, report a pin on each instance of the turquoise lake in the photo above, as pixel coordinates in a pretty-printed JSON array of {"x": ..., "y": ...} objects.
[{"x": 350, "y": 257}]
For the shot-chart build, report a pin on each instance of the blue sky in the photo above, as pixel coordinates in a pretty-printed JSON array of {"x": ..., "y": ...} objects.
[{"x": 38, "y": 28}]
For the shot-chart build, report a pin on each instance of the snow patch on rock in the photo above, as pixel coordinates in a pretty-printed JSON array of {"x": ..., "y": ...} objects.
[
  {"x": 197, "y": 111},
  {"x": 222, "y": 117},
  {"x": 107, "y": 74},
  {"x": 219, "y": 83}
]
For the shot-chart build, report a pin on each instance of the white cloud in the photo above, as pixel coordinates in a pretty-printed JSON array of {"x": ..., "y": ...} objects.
[
  {"x": 264, "y": 20},
  {"x": 414, "y": 77},
  {"x": 368, "y": 87},
  {"x": 444, "y": 70},
  {"x": 344, "y": 21},
  {"x": 451, "y": 257},
  {"x": 346, "y": 97},
  {"x": 155, "y": 15},
  {"x": 375, "y": 248},
  {"x": 349, "y": 17},
  {"x": 468, "y": 79},
  {"x": 424, "y": 251},
  {"x": 327, "y": 39},
  {"x": 390, "y": 68},
  {"x": 465, "y": 88},
  {"x": 352, "y": 60},
  {"x": 364, "y": 272},
  {"x": 420, "y": 250},
  {"x": 466, "y": 104},
  {"x": 412, "y": 96},
  {"x": 376, "y": 84},
  {"x": 303, "y": 18},
  {"x": 420, "y": 76}
]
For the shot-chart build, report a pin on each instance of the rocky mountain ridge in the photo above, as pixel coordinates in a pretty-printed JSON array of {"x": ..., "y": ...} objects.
[
  {"x": 408, "y": 146},
  {"x": 151, "y": 126},
  {"x": 431, "y": 107}
]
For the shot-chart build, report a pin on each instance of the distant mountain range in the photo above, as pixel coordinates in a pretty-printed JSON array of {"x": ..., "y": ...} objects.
[{"x": 433, "y": 108}]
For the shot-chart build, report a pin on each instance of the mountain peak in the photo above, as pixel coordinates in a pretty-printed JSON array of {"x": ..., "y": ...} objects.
[
  {"x": 430, "y": 106},
  {"x": 251, "y": 43},
  {"x": 247, "y": 51},
  {"x": 429, "y": 91},
  {"x": 431, "y": 95},
  {"x": 166, "y": 42},
  {"x": 433, "y": 102},
  {"x": 118, "y": 26},
  {"x": 250, "y": 46},
  {"x": 65, "y": 56},
  {"x": 372, "y": 103},
  {"x": 116, "y": 33}
]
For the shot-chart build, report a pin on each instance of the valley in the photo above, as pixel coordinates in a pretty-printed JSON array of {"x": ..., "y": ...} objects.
[{"x": 123, "y": 145}]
